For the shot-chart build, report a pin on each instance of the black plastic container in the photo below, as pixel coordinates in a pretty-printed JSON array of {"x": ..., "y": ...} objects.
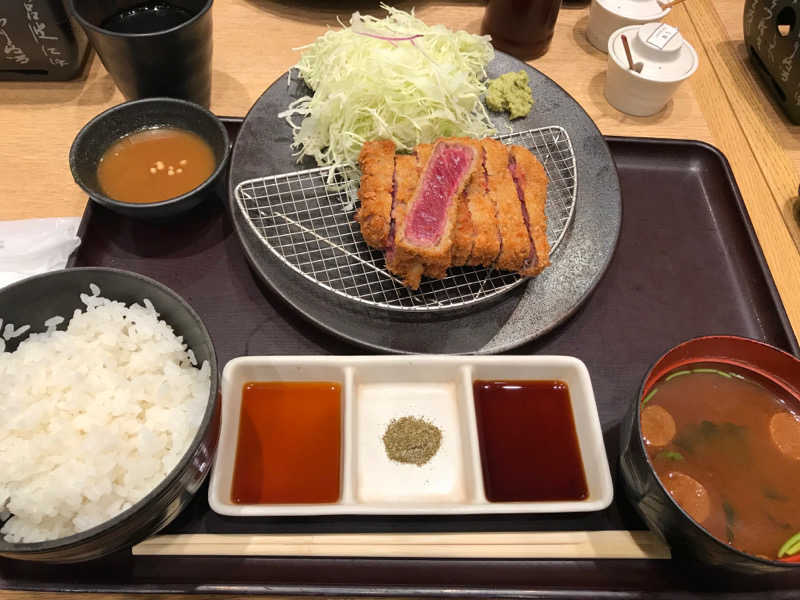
[
  {"x": 40, "y": 42},
  {"x": 37, "y": 298}
]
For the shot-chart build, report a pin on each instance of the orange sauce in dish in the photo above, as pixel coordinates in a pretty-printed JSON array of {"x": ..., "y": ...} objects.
[
  {"x": 153, "y": 165},
  {"x": 289, "y": 446}
]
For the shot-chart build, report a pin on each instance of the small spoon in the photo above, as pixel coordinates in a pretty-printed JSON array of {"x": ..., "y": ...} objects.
[{"x": 628, "y": 54}]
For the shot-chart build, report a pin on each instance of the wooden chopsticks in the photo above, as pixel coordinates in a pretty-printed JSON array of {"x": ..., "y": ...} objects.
[{"x": 557, "y": 544}]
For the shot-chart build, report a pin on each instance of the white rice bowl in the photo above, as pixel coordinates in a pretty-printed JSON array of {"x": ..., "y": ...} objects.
[{"x": 94, "y": 417}]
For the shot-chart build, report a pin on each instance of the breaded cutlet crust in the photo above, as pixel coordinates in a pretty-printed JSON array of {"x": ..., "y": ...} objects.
[
  {"x": 533, "y": 182},
  {"x": 463, "y": 232},
  {"x": 375, "y": 193},
  {"x": 515, "y": 241},
  {"x": 483, "y": 216}
]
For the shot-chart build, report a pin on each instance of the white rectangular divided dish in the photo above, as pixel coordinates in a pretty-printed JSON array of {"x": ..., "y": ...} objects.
[{"x": 376, "y": 390}]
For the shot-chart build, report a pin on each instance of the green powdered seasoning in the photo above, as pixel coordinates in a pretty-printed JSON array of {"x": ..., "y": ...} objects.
[{"x": 411, "y": 440}]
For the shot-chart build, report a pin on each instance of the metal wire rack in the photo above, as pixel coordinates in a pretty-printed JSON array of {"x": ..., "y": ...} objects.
[{"x": 307, "y": 220}]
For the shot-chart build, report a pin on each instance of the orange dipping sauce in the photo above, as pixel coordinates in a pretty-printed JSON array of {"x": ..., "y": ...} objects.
[
  {"x": 153, "y": 165},
  {"x": 289, "y": 447}
]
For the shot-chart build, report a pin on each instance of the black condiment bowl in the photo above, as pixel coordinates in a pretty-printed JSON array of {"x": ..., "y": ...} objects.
[
  {"x": 108, "y": 127},
  {"x": 38, "y": 298},
  {"x": 650, "y": 498}
]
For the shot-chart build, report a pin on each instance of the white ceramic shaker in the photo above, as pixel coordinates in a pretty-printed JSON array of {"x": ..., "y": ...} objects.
[
  {"x": 662, "y": 60},
  {"x": 606, "y": 16}
]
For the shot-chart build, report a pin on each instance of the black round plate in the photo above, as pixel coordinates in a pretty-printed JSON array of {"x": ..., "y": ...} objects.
[{"x": 263, "y": 148}]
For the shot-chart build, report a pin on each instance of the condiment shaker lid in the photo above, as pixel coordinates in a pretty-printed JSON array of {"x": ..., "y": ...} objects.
[
  {"x": 659, "y": 52},
  {"x": 638, "y": 10}
]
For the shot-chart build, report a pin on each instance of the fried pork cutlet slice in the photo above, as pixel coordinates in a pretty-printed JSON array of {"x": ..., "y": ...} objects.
[
  {"x": 515, "y": 242},
  {"x": 407, "y": 267},
  {"x": 427, "y": 231},
  {"x": 375, "y": 193},
  {"x": 531, "y": 181}
]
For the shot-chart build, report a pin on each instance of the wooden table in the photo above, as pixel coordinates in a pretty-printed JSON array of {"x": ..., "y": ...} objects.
[{"x": 723, "y": 104}]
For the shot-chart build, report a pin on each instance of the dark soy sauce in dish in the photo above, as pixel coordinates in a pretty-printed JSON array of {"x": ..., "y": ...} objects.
[
  {"x": 726, "y": 445},
  {"x": 148, "y": 17},
  {"x": 529, "y": 446}
]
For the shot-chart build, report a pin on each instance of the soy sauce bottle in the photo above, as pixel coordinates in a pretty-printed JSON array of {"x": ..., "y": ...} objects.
[{"x": 522, "y": 28}]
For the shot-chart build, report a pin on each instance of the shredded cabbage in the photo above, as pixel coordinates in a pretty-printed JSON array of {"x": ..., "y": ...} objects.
[{"x": 392, "y": 78}]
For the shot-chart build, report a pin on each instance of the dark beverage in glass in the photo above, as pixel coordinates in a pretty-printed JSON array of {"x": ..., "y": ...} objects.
[
  {"x": 522, "y": 28},
  {"x": 152, "y": 48},
  {"x": 147, "y": 18}
]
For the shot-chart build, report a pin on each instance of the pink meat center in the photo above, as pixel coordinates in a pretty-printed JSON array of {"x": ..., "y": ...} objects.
[{"x": 446, "y": 169}]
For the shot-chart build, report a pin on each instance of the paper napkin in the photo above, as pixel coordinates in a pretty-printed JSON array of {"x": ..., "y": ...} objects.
[{"x": 33, "y": 246}]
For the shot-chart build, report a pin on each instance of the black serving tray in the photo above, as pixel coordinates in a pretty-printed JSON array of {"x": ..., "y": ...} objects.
[{"x": 687, "y": 264}]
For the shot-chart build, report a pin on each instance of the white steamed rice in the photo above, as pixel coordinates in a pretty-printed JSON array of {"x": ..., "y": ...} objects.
[{"x": 93, "y": 417}]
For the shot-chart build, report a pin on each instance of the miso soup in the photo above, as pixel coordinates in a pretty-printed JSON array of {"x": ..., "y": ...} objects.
[{"x": 725, "y": 443}]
